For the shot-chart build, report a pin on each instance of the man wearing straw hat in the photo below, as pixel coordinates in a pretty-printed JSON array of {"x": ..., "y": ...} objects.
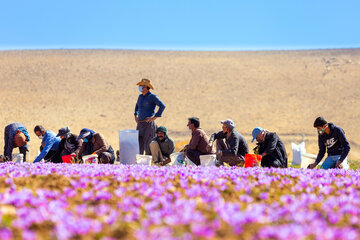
[{"x": 144, "y": 114}]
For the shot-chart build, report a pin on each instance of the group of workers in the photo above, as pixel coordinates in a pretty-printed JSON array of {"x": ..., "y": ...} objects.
[{"x": 231, "y": 146}]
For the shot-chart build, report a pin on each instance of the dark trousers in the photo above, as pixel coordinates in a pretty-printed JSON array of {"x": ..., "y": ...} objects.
[
  {"x": 23, "y": 150},
  {"x": 232, "y": 160},
  {"x": 147, "y": 131},
  {"x": 194, "y": 156},
  {"x": 49, "y": 155}
]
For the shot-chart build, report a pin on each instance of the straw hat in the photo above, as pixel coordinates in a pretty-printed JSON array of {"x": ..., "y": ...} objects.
[{"x": 145, "y": 82}]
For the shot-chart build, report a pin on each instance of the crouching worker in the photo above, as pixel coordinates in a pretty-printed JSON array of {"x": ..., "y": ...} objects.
[
  {"x": 16, "y": 136},
  {"x": 69, "y": 145},
  {"x": 161, "y": 147},
  {"x": 95, "y": 143},
  {"x": 332, "y": 139},
  {"x": 270, "y": 147},
  {"x": 49, "y": 143},
  {"x": 231, "y": 146},
  {"x": 199, "y": 142}
]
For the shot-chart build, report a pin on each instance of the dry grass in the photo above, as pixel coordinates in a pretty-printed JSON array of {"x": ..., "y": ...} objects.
[{"x": 283, "y": 91}]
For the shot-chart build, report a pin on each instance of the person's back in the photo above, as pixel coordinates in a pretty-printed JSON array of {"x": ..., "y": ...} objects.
[
  {"x": 275, "y": 149},
  {"x": 15, "y": 135},
  {"x": 242, "y": 146},
  {"x": 199, "y": 141}
]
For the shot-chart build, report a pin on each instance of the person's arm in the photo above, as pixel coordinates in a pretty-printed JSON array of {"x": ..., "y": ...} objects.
[
  {"x": 136, "y": 112},
  {"x": 49, "y": 141},
  {"x": 78, "y": 145},
  {"x": 345, "y": 144},
  {"x": 322, "y": 150},
  {"x": 271, "y": 144},
  {"x": 82, "y": 149},
  {"x": 160, "y": 104},
  {"x": 194, "y": 141},
  {"x": 100, "y": 140}
]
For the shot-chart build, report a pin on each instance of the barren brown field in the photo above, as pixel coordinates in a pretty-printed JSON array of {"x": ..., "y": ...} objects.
[{"x": 283, "y": 91}]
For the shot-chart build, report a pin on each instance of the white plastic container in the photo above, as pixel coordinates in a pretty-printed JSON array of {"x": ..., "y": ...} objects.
[
  {"x": 208, "y": 160},
  {"x": 143, "y": 159},
  {"x": 18, "y": 157},
  {"x": 128, "y": 145},
  {"x": 90, "y": 159},
  {"x": 177, "y": 159}
]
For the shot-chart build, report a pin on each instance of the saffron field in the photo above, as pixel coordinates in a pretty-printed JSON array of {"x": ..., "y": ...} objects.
[{"x": 71, "y": 201}]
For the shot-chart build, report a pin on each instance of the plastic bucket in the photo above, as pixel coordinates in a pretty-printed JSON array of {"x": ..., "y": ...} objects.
[
  {"x": 67, "y": 158},
  {"x": 252, "y": 160},
  {"x": 177, "y": 159},
  {"x": 18, "y": 158},
  {"x": 143, "y": 159},
  {"x": 208, "y": 160},
  {"x": 90, "y": 159}
]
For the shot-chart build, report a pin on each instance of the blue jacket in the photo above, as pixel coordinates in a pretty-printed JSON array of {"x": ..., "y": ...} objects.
[
  {"x": 10, "y": 131},
  {"x": 145, "y": 106},
  {"x": 51, "y": 143},
  {"x": 335, "y": 143}
]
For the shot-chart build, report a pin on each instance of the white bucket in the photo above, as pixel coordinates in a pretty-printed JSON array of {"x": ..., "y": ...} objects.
[
  {"x": 208, "y": 160},
  {"x": 143, "y": 159},
  {"x": 90, "y": 159},
  {"x": 18, "y": 157},
  {"x": 177, "y": 159}
]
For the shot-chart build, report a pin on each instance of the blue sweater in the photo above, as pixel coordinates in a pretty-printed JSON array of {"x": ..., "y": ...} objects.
[
  {"x": 10, "y": 131},
  {"x": 145, "y": 106},
  {"x": 335, "y": 143},
  {"x": 51, "y": 143}
]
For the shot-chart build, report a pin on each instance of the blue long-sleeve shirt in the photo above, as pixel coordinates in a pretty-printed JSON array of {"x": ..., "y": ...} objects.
[
  {"x": 145, "y": 106},
  {"x": 10, "y": 131},
  {"x": 51, "y": 142},
  {"x": 335, "y": 143}
]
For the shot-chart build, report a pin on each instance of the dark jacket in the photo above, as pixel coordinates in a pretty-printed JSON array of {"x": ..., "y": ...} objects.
[
  {"x": 56, "y": 158},
  {"x": 275, "y": 149},
  {"x": 236, "y": 143},
  {"x": 9, "y": 133},
  {"x": 167, "y": 146},
  {"x": 335, "y": 143}
]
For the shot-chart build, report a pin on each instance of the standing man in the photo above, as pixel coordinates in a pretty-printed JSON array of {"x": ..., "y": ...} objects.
[
  {"x": 161, "y": 147},
  {"x": 332, "y": 139},
  {"x": 231, "y": 146},
  {"x": 49, "y": 143},
  {"x": 270, "y": 147},
  {"x": 16, "y": 135},
  {"x": 199, "y": 142},
  {"x": 144, "y": 114}
]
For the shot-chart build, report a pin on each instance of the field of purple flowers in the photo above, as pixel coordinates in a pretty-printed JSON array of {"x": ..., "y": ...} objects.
[{"x": 70, "y": 201}]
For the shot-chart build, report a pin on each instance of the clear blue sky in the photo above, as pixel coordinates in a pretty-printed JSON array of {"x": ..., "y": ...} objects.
[{"x": 180, "y": 25}]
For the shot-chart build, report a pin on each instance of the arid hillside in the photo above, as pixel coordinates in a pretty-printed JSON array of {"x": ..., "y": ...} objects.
[{"x": 283, "y": 91}]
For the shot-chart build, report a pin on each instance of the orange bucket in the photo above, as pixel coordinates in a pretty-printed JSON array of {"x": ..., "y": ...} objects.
[
  {"x": 67, "y": 158},
  {"x": 252, "y": 160}
]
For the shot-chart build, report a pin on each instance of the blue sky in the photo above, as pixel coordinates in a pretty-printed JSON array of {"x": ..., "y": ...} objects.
[{"x": 180, "y": 25}]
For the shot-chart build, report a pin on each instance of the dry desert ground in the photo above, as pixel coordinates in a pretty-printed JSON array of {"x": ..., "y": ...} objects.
[{"x": 283, "y": 91}]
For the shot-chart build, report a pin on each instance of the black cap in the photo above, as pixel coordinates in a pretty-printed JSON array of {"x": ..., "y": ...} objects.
[{"x": 63, "y": 132}]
